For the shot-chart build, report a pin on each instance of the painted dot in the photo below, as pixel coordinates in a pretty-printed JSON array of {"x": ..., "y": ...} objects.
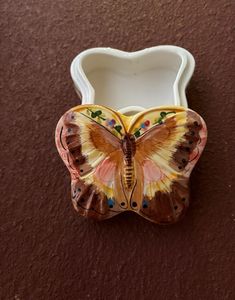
[
  {"x": 79, "y": 190},
  {"x": 145, "y": 204},
  {"x": 142, "y": 125},
  {"x": 110, "y": 202},
  {"x": 147, "y": 122},
  {"x": 134, "y": 204},
  {"x": 179, "y": 167},
  {"x": 81, "y": 170},
  {"x": 123, "y": 203},
  {"x": 175, "y": 207}
]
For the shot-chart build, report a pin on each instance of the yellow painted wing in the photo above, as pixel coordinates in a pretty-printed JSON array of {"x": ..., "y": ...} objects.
[
  {"x": 88, "y": 139},
  {"x": 169, "y": 141}
]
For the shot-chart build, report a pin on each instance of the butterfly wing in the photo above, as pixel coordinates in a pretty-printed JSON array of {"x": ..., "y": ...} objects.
[
  {"x": 169, "y": 141},
  {"x": 88, "y": 141}
]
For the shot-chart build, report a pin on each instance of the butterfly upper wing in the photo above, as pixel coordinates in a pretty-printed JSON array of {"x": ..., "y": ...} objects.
[
  {"x": 169, "y": 141},
  {"x": 88, "y": 140}
]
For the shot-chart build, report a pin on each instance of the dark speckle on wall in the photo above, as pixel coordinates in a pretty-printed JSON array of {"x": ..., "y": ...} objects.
[{"x": 47, "y": 251}]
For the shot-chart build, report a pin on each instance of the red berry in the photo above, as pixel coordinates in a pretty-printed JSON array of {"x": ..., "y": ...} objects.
[{"x": 146, "y": 123}]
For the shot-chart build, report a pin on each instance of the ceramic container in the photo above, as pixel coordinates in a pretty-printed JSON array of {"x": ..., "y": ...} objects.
[
  {"x": 133, "y": 81},
  {"x": 133, "y": 143}
]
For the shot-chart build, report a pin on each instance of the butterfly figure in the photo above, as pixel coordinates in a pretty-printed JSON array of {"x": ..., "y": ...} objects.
[{"x": 139, "y": 163}]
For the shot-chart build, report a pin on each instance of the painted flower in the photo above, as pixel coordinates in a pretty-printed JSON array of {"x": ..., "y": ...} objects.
[
  {"x": 142, "y": 125},
  {"x": 147, "y": 123},
  {"x": 107, "y": 122},
  {"x": 110, "y": 123}
]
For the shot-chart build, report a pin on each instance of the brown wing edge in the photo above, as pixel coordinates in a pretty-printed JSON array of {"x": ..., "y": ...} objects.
[
  {"x": 87, "y": 200},
  {"x": 169, "y": 208}
]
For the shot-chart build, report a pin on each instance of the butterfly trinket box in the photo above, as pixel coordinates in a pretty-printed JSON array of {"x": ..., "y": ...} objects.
[{"x": 133, "y": 143}]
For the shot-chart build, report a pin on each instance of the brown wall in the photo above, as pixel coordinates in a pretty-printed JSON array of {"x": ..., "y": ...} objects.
[{"x": 47, "y": 250}]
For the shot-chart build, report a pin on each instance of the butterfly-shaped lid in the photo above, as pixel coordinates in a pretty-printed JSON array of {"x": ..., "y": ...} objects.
[{"x": 140, "y": 163}]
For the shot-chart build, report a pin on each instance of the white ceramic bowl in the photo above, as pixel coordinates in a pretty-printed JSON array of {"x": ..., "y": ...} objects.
[{"x": 132, "y": 81}]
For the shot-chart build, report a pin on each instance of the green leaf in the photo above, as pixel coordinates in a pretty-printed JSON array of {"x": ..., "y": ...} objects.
[
  {"x": 137, "y": 133},
  {"x": 118, "y": 128},
  {"x": 93, "y": 114},
  {"x": 98, "y": 112},
  {"x": 163, "y": 114}
]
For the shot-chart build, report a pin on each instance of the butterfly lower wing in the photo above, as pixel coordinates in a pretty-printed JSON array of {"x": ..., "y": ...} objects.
[
  {"x": 89, "y": 144},
  {"x": 97, "y": 196},
  {"x": 166, "y": 153}
]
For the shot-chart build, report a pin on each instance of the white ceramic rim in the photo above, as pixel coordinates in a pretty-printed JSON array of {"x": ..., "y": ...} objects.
[{"x": 185, "y": 72}]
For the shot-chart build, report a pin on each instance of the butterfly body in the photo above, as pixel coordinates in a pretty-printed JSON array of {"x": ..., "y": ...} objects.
[
  {"x": 140, "y": 163},
  {"x": 128, "y": 148}
]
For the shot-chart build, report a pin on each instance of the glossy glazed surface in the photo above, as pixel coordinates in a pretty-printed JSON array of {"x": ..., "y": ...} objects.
[
  {"x": 47, "y": 251},
  {"x": 140, "y": 163}
]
